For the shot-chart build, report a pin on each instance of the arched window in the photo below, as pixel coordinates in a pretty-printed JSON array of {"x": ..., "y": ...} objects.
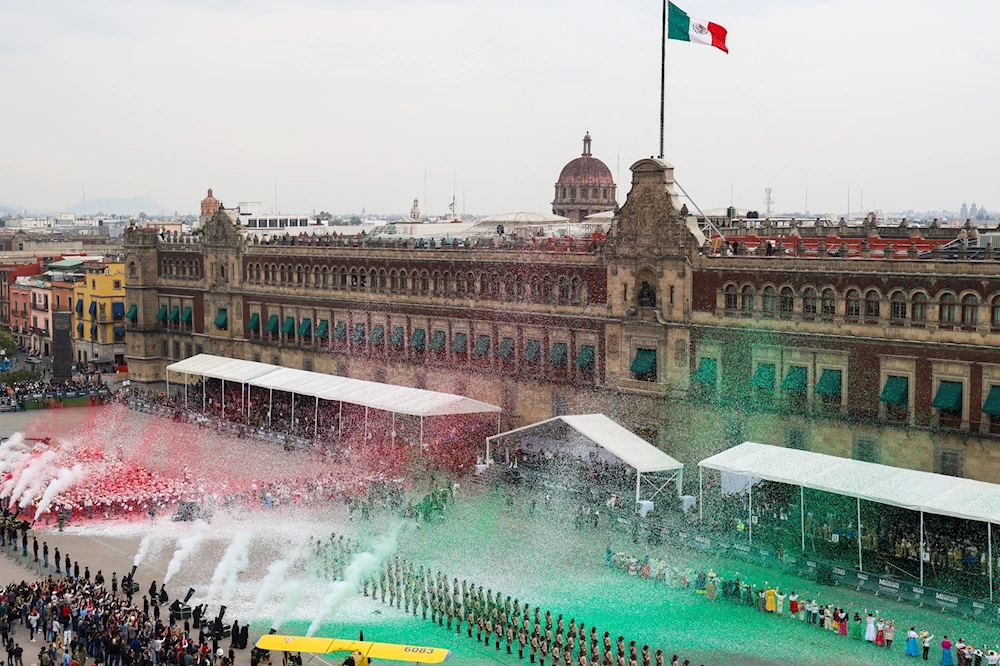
[
  {"x": 853, "y": 303},
  {"x": 787, "y": 301},
  {"x": 995, "y": 312},
  {"x": 547, "y": 289},
  {"x": 897, "y": 311},
  {"x": 470, "y": 283},
  {"x": 809, "y": 302},
  {"x": 425, "y": 282},
  {"x": 970, "y": 310},
  {"x": 746, "y": 300},
  {"x": 829, "y": 304},
  {"x": 769, "y": 301},
  {"x": 732, "y": 297},
  {"x": 947, "y": 309},
  {"x": 563, "y": 290},
  {"x": 131, "y": 269},
  {"x": 575, "y": 285},
  {"x": 438, "y": 282},
  {"x": 873, "y": 304},
  {"x": 284, "y": 274},
  {"x": 495, "y": 285},
  {"x": 363, "y": 278},
  {"x": 381, "y": 279},
  {"x": 919, "y": 311}
]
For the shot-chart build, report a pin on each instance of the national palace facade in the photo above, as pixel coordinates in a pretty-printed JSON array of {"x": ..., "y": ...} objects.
[{"x": 871, "y": 343}]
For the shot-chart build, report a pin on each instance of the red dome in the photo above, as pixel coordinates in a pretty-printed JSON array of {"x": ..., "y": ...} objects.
[{"x": 588, "y": 170}]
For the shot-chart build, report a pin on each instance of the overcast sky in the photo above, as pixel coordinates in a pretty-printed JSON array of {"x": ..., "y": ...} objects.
[{"x": 346, "y": 103}]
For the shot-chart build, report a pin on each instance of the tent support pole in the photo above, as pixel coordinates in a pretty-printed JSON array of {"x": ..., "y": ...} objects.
[
  {"x": 487, "y": 461},
  {"x": 366, "y": 424},
  {"x": 291, "y": 424},
  {"x": 185, "y": 391},
  {"x": 638, "y": 484},
  {"x": 316, "y": 420},
  {"x": 340, "y": 421},
  {"x": 989, "y": 556},
  {"x": 223, "y": 400},
  {"x": 393, "y": 436},
  {"x": 270, "y": 400},
  {"x": 701, "y": 494},
  {"x": 422, "y": 434},
  {"x": 168, "y": 385},
  {"x": 802, "y": 515},
  {"x": 750, "y": 511},
  {"x": 860, "y": 563},
  {"x": 680, "y": 481},
  {"x": 204, "y": 399},
  {"x": 498, "y": 423},
  {"x": 921, "y": 549}
]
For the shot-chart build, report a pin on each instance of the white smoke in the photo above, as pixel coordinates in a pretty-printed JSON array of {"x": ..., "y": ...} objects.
[
  {"x": 17, "y": 462},
  {"x": 186, "y": 546},
  {"x": 292, "y": 593},
  {"x": 64, "y": 481},
  {"x": 144, "y": 546},
  {"x": 11, "y": 451},
  {"x": 234, "y": 560},
  {"x": 275, "y": 575},
  {"x": 361, "y": 566},
  {"x": 32, "y": 478}
]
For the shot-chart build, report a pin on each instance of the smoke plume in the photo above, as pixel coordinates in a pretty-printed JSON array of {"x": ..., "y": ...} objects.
[
  {"x": 144, "y": 546},
  {"x": 292, "y": 593},
  {"x": 233, "y": 561},
  {"x": 64, "y": 481},
  {"x": 186, "y": 546},
  {"x": 275, "y": 575}
]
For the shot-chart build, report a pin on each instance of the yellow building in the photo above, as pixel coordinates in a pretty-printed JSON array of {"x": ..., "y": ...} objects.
[{"x": 99, "y": 317}]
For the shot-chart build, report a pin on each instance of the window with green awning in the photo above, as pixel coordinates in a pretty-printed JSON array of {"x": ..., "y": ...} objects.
[
  {"x": 585, "y": 358},
  {"x": 132, "y": 314},
  {"x": 340, "y": 330},
  {"x": 418, "y": 339},
  {"x": 306, "y": 326},
  {"x": 359, "y": 333},
  {"x": 948, "y": 397},
  {"x": 378, "y": 334},
  {"x": 532, "y": 350},
  {"x": 289, "y": 326},
  {"x": 161, "y": 314},
  {"x": 188, "y": 316},
  {"x": 558, "y": 354},
  {"x": 644, "y": 365},
  {"x": 272, "y": 324},
  {"x": 254, "y": 323},
  {"x": 221, "y": 318},
  {"x": 506, "y": 348},
  {"x": 437, "y": 341},
  {"x": 175, "y": 314},
  {"x": 460, "y": 343},
  {"x": 706, "y": 374},
  {"x": 830, "y": 384},
  {"x": 896, "y": 391},
  {"x": 796, "y": 380},
  {"x": 763, "y": 377},
  {"x": 992, "y": 404},
  {"x": 482, "y": 346},
  {"x": 397, "y": 337},
  {"x": 322, "y": 328}
]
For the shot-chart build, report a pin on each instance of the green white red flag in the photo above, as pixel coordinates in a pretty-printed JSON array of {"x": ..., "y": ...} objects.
[{"x": 682, "y": 27}]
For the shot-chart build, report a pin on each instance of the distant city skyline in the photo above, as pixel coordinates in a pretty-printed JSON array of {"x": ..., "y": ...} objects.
[{"x": 346, "y": 107}]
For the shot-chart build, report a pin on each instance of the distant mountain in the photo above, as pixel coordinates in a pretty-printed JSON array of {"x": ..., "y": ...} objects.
[{"x": 118, "y": 206}]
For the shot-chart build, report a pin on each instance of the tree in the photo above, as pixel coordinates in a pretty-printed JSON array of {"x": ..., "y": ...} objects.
[
  {"x": 7, "y": 343},
  {"x": 324, "y": 215}
]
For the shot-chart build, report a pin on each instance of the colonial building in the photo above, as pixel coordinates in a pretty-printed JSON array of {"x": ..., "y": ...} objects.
[
  {"x": 99, "y": 316},
  {"x": 877, "y": 348},
  {"x": 585, "y": 187}
]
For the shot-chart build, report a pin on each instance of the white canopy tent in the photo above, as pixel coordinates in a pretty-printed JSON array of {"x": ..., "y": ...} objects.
[
  {"x": 319, "y": 386},
  {"x": 651, "y": 465},
  {"x": 923, "y": 492}
]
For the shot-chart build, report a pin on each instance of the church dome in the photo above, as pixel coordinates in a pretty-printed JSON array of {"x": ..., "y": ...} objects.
[{"x": 586, "y": 169}]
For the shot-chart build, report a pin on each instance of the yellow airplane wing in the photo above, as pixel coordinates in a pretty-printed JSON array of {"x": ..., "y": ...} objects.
[{"x": 387, "y": 651}]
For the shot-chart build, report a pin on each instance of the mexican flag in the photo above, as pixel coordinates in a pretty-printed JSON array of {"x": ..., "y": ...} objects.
[{"x": 687, "y": 29}]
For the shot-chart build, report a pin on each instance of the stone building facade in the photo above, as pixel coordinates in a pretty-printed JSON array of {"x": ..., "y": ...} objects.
[
  {"x": 585, "y": 187},
  {"x": 848, "y": 347}
]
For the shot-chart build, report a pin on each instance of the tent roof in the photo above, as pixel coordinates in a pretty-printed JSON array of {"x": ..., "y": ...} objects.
[
  {"x": 387, "y": 397},
  {"x": 523, "y": 217},
  {"x": 906, "y": 488},
  {"x": 609, "y": 435}
]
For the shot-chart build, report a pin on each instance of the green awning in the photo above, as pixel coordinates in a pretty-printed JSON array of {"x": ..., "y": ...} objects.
[
  {"x": 322, "y": 328},
  {"x": 992, "y": 405},
  {"x": 949, "y": 397},
  {"x": 585, "y": 357},
  {"x": 482, "y": 345},
  {"x": 305, "y": 326},
  {"x": 437, "y": 341},
  {"x": 460, "y": 343},
  {"x": 254, "y": 323},
  {"x": 796, "y": 380},
  {"x": 644, "y": 362},
  {"x": 896, "y": 391},
  {"x": 162, "y": 313},
  {"x": 706, "y": 373},
  {"x": 272, "y": 324},
  {"x": 506, "y": 348},
  {"x": 359, "y": 333},
  {"x": 133, "y": 313},
  {"x": 532, "y": 350},
  {"x": 221, "y": 318},
  {"x": 397, "y": 337},
  {"x": 763, "y": 377},
  {"x": 829, "y": 384},
  {"x": 289, "y": 326},
  {"x": 418, "y": 339},
  {"x": 340, "y": 330},
  {"x": 188, "y": 316},
  {"x": 378, "y": 334},
  {"x": 557, "y": 354},
  {"x": 175, "y": 314}
]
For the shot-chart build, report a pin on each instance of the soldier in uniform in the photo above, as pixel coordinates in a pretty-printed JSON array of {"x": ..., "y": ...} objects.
[
  {"x": 659, "y": 658},
  {"x": 522, "y": 639},
  {"x": 489, "y": 630},
  {"x": 480, "y": 625},
  {"x": 381, "y": 581},
  {"x": 543, "y": 649},
  {"x": 645, "y": 655},
  {"x": 442, "y": 608},
  {"x": 608, "y": 659},
  {"x": 620, "y": 644},
  {"x": 631, "y": 650},
  {"x": 556, "y": 654},
  {"x": 548, "y": 620},
  {"x": 535, "y": 644},
  {"x": 471, "y": 617}
]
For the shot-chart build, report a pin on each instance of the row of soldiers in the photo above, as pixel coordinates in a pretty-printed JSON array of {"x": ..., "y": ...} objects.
[{"x": 499, "y": 620}]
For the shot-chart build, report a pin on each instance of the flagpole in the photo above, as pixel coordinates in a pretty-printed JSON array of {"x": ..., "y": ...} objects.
[{"x": 663, "y": 73}]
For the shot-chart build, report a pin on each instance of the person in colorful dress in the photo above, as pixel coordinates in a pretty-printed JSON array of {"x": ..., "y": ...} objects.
[
  {"x": 769, "y": 603},
  {"x": 843, "y": 622},
  {"x": 946, "y": 658},
  {"x": 870, "y": 628},
  {"x": 880, "y": 633},
  {"x": 890, "y": 633},
  {"x": 857, "y": 629},
  {"x": 793, "y": 604}
]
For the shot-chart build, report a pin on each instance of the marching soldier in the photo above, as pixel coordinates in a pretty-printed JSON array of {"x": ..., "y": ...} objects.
[
  {"x": 535, "y": 644},
  {"x": 543, "y": 649},
  {"x": 659, "y": 658},
  {"x": 489, "y": 630},
  {"x": 470, "y": 616},
  {"x": 645, "y": 655},
  {"x": 522, "y": 639}
]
